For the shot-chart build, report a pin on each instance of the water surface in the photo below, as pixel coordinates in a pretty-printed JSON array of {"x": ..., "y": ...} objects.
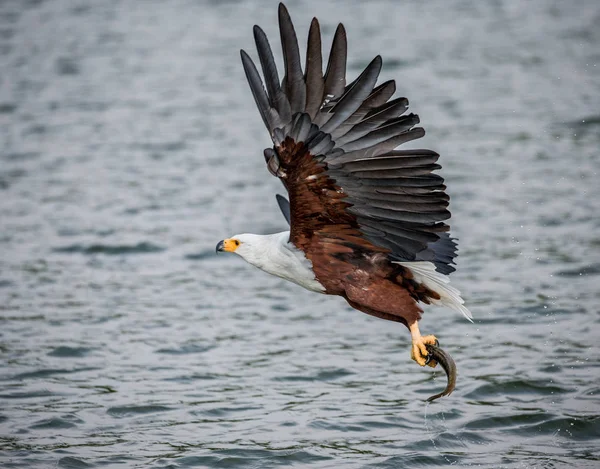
[{"x": 130, "y": 144}]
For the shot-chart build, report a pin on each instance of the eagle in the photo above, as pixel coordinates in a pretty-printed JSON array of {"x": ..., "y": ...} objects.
[{"x": 368, "y": 221}]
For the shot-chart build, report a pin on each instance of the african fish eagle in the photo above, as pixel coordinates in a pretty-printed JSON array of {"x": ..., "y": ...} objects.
[{"x": 367, "y": 221}]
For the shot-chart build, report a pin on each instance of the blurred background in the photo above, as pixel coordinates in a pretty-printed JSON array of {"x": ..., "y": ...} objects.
[{"x": 130, "y": 145}]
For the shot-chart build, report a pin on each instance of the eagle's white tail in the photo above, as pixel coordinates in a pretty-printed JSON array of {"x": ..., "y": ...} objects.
[{"x": 424, "y": 272}]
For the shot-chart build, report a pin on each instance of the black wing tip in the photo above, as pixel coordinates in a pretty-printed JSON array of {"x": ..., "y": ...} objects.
[
  {"x": 283, "y": 12},
  {"x": 376, "y": 62},
  {"x": 260, "y": 37},
  {"x": 247, "y": 61},
  {"x": 256, "y": 29}
]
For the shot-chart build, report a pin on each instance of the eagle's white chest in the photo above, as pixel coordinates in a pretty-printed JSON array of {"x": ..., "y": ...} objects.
[{"x": 276, "y": 256}]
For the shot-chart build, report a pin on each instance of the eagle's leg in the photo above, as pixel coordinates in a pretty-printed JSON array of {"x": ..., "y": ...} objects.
[{"x": 419, "y": 351}]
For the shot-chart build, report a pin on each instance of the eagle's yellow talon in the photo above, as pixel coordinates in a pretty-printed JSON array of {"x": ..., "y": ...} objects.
[{"x": 419, "y": 351}]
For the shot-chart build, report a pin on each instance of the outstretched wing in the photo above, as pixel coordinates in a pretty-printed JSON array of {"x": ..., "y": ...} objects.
[{"x": 335, "y": 151}]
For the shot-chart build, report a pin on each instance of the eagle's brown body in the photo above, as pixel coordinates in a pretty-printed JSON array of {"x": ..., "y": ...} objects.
[{"x": 344, "y": 262}]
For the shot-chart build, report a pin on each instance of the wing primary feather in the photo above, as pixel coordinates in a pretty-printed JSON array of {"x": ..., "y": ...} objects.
[
  {"x": 417, "y": 232},
  {"x": 398, "y": 104},
  {"x": 380, "y": 149},
  {"x": 396, "y": 173},
  {"x": 315, "y": 84},
  {"x": 366, "y": 126},
  {"x": 398, "y": 215},
  {"x": 388, "y": 145},
  {"x": 269, "y": 116},
  {"x": 392, "y": 204},
  {"x": 381, "y": 94},
  {"x": 294, "y": 79},
  {"x": 277, "y": 98},
  {"x": 392, "y": 160},
  {"x": 354, "y": 96},
  {"x": 405, "y": 199},
  {"x": 391, "y": 129},
  {"x": 373, "y": 119},
  {"x": 378, "y": 97},
  {"x": 335, "y": 76},
  {"x": 433, "y": 181},
  {"x": 413, "y": 190}
]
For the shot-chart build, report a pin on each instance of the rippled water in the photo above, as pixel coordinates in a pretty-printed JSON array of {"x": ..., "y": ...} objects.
[{"x": 129, "y": 145}]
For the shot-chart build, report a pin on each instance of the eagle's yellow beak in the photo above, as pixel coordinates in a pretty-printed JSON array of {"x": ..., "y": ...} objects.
[{"x": 228, "y": 245}]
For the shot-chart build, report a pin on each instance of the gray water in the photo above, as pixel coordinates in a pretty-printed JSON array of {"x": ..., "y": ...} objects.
[{"x": 130, "y": 145}]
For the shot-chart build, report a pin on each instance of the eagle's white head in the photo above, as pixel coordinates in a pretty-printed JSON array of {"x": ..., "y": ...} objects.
[
  {"x": 275, "y": 255},
  {"x": 248, "y": 246}
]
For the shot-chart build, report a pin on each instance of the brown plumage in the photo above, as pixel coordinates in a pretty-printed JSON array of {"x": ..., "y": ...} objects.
[
  {"x": 343, "y": 260},
  {"x": 369, "y": 218}
]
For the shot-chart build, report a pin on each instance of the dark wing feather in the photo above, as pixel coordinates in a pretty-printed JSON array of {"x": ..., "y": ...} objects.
[
  {"x": 335, "y": 151},
  {"x": 386, "y": 131},
  {"x": 276, "y": 96},
  {"x": 284, "y": 206},
  {"x": 313, "y": 77},
  {"x": 354, "y": 96},
  {"x": 294, "y": 79},
  {"x": 268, "y": 114},
  {"x": 378, "y": 97},
  {"x": 335, "y": 76},
  {"x": 371, "y": 120}
]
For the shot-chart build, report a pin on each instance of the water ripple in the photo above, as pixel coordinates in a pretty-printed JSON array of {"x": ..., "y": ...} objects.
[
  {"x": 139, "y": 248},
  {"x": 131, "y": 410}
]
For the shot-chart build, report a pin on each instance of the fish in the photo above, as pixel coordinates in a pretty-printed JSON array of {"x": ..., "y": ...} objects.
[{"x": 446, "y": 361}]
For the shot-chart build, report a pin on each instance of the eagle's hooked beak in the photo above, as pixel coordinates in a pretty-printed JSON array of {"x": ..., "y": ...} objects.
[{"x": 228, "y": 245}]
